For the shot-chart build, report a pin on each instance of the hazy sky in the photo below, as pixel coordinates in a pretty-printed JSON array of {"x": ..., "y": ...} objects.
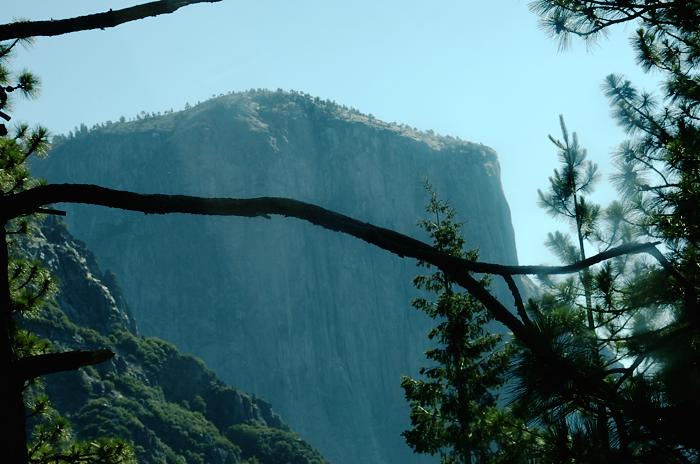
[{"x": 478, "y": 69}]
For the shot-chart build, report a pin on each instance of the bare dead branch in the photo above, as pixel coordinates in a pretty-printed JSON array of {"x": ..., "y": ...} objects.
[
  {"x": 55, "y": 212},
  {"x": 30, "y": 200},
  {"x": 32, "y": 367},
  {"x": 459, "y": 270},
  {"x": 111, "y": 18}
]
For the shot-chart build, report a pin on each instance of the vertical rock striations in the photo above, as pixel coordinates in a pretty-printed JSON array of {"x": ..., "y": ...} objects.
[{"x": 317, "y": 323}]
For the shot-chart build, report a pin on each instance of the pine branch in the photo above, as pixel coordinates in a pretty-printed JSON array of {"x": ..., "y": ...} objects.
[
  {"x": 27, "y": 202},
  {"x": 32, "y": 367},
  {"x": 458, "y": 269},
  {"x": 518, "y": 299},
  {"x": 56, "y": 212},
  {"x": 401, "y": 245},
  {"x": 31, "y": 200},
  {"x": 111, "y": 18}
]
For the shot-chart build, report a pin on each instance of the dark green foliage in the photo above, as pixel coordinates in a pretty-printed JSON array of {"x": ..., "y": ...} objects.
[
  {"x": 130, "y": 403},
  {"x": 25, "y": 82},
  {"x": 565, "y": 199},
  {"x": 266, "y": 445},
  {"x": 647, "y": 329},
  {"x": 31, "y": 286},
  {"x": 167, "y": 406},
  {"x": 119, "y": 400},
  {"x": 454, "y": 410},
  {"x": 52, "y": 439},
  {"x": 596, "y": 324},
  {"x": 658, "y": 166},
  {"x": 567, "y": 321}
]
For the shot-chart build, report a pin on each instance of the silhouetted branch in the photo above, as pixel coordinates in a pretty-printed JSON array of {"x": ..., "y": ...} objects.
[
  {"x": 627, "y": 372},
  {"x": 6, "y": 49},
  {"x": 111, "y": 18},
  {"x": 666, "y": 264},
  {"x": 517, "y": 298},
  {"x": 626, "y": 249},
  {"x": 662, "y": 341},
  {"x": 592, "y": 17},
  {"x": 32, "y": 367},
  {"x": 55, "y": 212},
  {"x": 29, "y": 201},
  {"x": 459, "y": 270}
]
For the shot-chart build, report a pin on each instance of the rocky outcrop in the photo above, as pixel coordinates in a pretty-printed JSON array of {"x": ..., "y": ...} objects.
[
  {"x": 167, "y": 404},
  {"x": 317, "y": 323}
]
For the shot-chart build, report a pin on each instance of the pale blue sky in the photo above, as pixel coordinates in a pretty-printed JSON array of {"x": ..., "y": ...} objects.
[{"x": 478, "y": 69}]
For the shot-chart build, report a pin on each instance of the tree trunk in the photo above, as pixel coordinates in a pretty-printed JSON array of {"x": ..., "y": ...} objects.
[
  {"x": 602, "y": 420},
  {"x": 585, "y": 274},
  {"x": 12, "y": 419}
]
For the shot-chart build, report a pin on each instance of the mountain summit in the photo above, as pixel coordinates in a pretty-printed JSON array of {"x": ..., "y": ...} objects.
[{"x": 317, "y": 323}]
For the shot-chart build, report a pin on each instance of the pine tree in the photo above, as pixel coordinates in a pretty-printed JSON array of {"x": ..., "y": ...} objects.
[
  {"x": 566, "y": 199},
  {"x": 648, "y": 310},
  {"x": 29, "y": 286},
  {"x": 454, "y": 404},
  {"x": 25, "y": 285}
]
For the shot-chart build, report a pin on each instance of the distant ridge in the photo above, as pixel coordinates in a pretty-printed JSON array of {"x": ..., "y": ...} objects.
[
  {"x": 316, "y": 323},
  {"x": 331, "y": 108}
]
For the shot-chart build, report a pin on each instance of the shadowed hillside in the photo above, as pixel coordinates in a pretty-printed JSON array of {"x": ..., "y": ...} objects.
[{"x": 168, "y": 404}]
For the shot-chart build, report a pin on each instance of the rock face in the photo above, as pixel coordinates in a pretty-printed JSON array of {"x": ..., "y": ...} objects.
[
  {"x": 317, "y": 323},
  {"x": 168, "y": 405}
]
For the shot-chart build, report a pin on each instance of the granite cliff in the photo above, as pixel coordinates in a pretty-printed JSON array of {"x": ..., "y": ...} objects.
[{"x": 317, "y": 323}]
